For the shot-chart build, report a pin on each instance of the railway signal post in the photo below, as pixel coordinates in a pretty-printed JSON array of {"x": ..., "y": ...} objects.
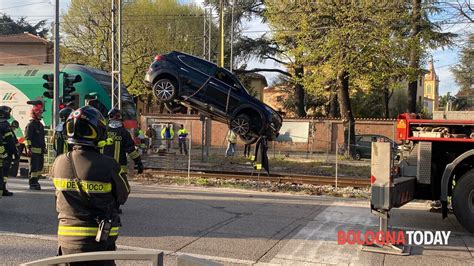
[{"x": 68, "y": 87}]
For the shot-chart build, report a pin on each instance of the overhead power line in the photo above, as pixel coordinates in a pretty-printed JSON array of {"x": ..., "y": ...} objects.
[{"x": 30, "y": 4}]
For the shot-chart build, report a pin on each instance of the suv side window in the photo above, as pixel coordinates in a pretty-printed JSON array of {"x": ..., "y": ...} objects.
[
  {"x": 198, "y": 64},
  {"x": 222, "y": 76},
  {"x": 227, "y": 78}
]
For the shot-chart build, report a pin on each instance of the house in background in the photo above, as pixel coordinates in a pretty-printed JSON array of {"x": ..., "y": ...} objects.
[
  {"x": 275, "y": 98},
  {"x": 25, "y": 48}
]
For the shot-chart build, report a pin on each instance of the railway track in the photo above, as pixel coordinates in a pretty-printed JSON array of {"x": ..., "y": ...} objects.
[{"x": 277, "y": 178}]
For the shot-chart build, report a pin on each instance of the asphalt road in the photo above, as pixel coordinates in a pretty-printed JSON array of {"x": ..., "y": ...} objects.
[
  {"x": 225, "y": 225},
  {"x": 233, "y": 227}
]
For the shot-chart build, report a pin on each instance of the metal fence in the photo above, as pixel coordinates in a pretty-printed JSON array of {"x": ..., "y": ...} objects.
[{"x": 334, "y": 163}]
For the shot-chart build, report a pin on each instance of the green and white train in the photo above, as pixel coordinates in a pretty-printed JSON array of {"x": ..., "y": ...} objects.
[{"x": 22, "y": 83}]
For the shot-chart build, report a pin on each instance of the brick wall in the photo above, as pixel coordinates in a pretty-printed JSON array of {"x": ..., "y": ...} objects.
[
  {"x": 25, "y": 53},
  {"x": 326, "y": 132},
  {"x": 454, "y": 115}
]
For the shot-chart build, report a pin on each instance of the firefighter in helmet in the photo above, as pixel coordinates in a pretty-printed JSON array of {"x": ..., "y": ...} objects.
[
  {"x": 14, "y": 125},
  {"x": 35, "y": 146},
  {"x": 9, "y": 149},
  {"x": 122, "y": 142},
  {"x": 60, "y": 145},
  {"x": 89, "y": 188}
]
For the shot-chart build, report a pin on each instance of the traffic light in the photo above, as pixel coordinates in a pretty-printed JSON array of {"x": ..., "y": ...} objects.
[
  {"x": 48, "y": 85},
  {"x": 68, "y": 87}
]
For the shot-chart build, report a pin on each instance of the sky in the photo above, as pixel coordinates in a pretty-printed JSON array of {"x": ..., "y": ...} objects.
[{"x": 36, "y": 10}]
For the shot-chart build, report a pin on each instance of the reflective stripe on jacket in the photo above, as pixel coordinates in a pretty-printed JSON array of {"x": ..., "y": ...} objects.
[
  {"x": 8, "y": 140},
  {"x": 100, "y": 179},
  {"x": 122, "y": 144},
  {"x": 71, "y": 230},
  {"x": 34, "y": 135}
]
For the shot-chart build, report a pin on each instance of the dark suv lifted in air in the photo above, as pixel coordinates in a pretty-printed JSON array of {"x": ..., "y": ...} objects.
[{"x": 181, "y": 79}]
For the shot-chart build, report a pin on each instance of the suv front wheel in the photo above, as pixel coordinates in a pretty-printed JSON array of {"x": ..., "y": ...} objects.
[
  {"x": 165, "y": 90},
  {"x": 240, "y": 125}
]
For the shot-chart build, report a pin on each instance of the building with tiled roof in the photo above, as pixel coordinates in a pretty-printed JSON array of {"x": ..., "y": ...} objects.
[{"x": 25, "y": 48}]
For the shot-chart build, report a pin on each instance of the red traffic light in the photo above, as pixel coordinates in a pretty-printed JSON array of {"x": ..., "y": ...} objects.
[{"x": 61, "y": 106}]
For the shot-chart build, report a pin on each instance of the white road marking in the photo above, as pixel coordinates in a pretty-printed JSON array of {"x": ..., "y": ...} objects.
[{"x": 317, "y": 241}]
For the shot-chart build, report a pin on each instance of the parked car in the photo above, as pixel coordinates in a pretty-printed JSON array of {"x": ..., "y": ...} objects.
[
  {"x": 363, "y": 148},
  {"x": 180, "y": 79}
]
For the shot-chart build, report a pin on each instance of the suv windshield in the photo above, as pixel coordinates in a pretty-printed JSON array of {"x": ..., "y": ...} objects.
[{"x": 198, "y": 64}]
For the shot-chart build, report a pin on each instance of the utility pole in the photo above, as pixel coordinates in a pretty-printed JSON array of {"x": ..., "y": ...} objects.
[
  {"x": 206, "y": 49},
  {"x": 221, "y": 21},
  {"x": 56, "y": 66},
  {"x": 231, "y": 36},
  {"x": 116, "y": 54}
]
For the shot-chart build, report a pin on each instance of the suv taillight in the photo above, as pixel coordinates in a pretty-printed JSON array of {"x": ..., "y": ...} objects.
[{"x": 159, "y": 57}]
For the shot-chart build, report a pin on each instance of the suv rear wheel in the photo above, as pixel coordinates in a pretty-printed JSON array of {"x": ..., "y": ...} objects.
[{"x": 165, "y": 90}]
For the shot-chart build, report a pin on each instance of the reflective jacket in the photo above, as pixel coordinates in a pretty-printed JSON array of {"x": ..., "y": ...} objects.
[
  {"x": 8, "y": 141},
  {"x": 122, "y": 145},
  {"x": 231, "y": 137},
  {"x": 34, "y": 136},
  {"x": 167, "y": 135},
  {"x": 182, "y": 133},
  {"x": 104, "y": 189}
]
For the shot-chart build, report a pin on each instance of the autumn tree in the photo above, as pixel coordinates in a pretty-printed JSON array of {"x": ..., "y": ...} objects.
[
  {"x": 339, "y": 44},
  {"x": 149, "y": 28},
  {"x": 464, "y": 74},
  {"x": 423, "y": 35}
]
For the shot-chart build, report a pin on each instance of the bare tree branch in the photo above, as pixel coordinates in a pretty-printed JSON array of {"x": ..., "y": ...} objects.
[
  {"x": 242, "y": 71},
  {"x": 275, "y": 59}
]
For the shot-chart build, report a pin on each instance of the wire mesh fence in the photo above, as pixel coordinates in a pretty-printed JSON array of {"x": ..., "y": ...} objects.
[{"x": 335, "y": 163}]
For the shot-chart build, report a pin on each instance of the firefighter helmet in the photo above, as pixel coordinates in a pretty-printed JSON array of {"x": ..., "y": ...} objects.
[
  {"x": 37, "y": 112},
  {"x": 5, "y": 112},
  {"x": 114, "y": 114},
  {"x": 86, "y": 126},
  {"x": 64, "y": 113}
]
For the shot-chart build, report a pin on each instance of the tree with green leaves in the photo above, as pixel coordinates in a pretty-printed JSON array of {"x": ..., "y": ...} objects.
[
  {"x": 148, "y": 28},
  {"x": 338, "y": 45},
  {"x": 464, "y": 74},
  {"x": 11, "y": 26},
  {"x": 423, "y": 35}
]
